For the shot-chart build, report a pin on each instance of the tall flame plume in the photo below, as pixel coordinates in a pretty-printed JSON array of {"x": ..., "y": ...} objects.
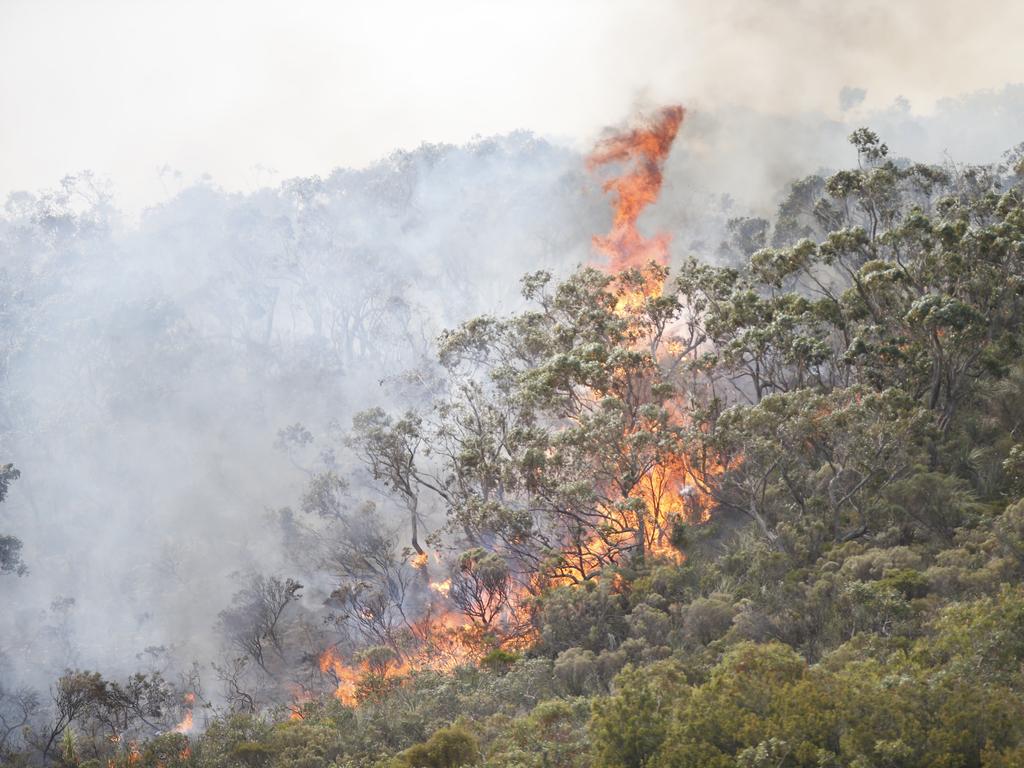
[
  {"x": 645, "y": 148},
  {"x": 671, "y": 491}
]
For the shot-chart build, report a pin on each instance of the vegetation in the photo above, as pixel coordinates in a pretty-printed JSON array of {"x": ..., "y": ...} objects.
[{"x": 766, "y": 513}]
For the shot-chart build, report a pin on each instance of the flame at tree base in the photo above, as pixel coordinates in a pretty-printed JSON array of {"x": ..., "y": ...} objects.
[
  {"x": 186, "y": 724},
  {"x": 442, "y": 643}
]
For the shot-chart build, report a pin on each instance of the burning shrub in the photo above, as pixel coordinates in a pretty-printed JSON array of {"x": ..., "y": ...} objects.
[
  {"x": 169, "y": 750},
  {"x": 481, "y": 586}
]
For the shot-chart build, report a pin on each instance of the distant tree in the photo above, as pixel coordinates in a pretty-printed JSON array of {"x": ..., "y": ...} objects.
[
  {"x": 19, "y": 707},
  {"x": 74, "y": 696},
  {"x": 10, "y": 546},
  {"x": 255, "y": 626}
]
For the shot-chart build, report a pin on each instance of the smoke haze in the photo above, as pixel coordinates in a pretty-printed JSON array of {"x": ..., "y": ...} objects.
[{"x": 256, "y": 91}]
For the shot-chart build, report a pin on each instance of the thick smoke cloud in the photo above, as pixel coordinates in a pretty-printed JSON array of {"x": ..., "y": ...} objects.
[{"x": 150, "y": 367}]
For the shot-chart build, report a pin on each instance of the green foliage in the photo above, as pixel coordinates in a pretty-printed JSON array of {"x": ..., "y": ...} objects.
[
  {"x": 630, "y": 726},
  {"x": 762, "y": 703},
  {"x": 499, "y": 659},
  {"x": 552, "y": 735},
  {"x": 447, "y": 748}
]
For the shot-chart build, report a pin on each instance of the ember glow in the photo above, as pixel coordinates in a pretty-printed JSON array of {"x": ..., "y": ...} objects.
[
  {"x": 442, "y": 587},
  {"x": 420, "y": 560},
  {"x": 346, "y": 677}
]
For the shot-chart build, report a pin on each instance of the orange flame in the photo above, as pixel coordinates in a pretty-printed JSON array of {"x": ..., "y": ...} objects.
[
  {"x": 443, "y": 640},
  {"x": 442, "y": 587},
  {"x": 347, "y": 677},
  {"x": 672, "y": 491},
  {"x": 420, "y": 560},
  {"x": 646, "y": 148},
  {"x": 300, "y": 696},
  {"x": 185, "y": 726}
]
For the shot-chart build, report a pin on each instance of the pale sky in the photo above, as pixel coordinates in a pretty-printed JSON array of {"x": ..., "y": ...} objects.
[{"x": 124, "y": 87}]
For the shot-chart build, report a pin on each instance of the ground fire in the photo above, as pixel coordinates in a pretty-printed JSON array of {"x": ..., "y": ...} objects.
[{"x": 186, "y": 724}]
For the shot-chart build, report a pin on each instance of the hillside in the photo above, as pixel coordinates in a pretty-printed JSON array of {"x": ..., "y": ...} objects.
[{"x": 756, "y": 507}]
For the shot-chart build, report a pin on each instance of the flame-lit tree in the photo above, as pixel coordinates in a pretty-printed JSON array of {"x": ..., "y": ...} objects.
[
  {"x": 481, "y": 587},
  {"x": 375, "y": 580},
  {"x": 555, "y": 421},
  {"x": 558, "y": 441},
  {"x": 594, "y": 376}
]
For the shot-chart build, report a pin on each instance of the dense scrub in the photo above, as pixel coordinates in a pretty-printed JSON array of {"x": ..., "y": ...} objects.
[{"x": 840, "y": 587}]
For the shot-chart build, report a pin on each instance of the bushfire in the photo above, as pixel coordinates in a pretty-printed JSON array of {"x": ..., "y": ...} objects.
[
  {"x": 671, "y": 490},
  {"x": 185, "y": 726},
  {"x": 645, "y": 149},
  {"x": 442, "y": 640}
]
